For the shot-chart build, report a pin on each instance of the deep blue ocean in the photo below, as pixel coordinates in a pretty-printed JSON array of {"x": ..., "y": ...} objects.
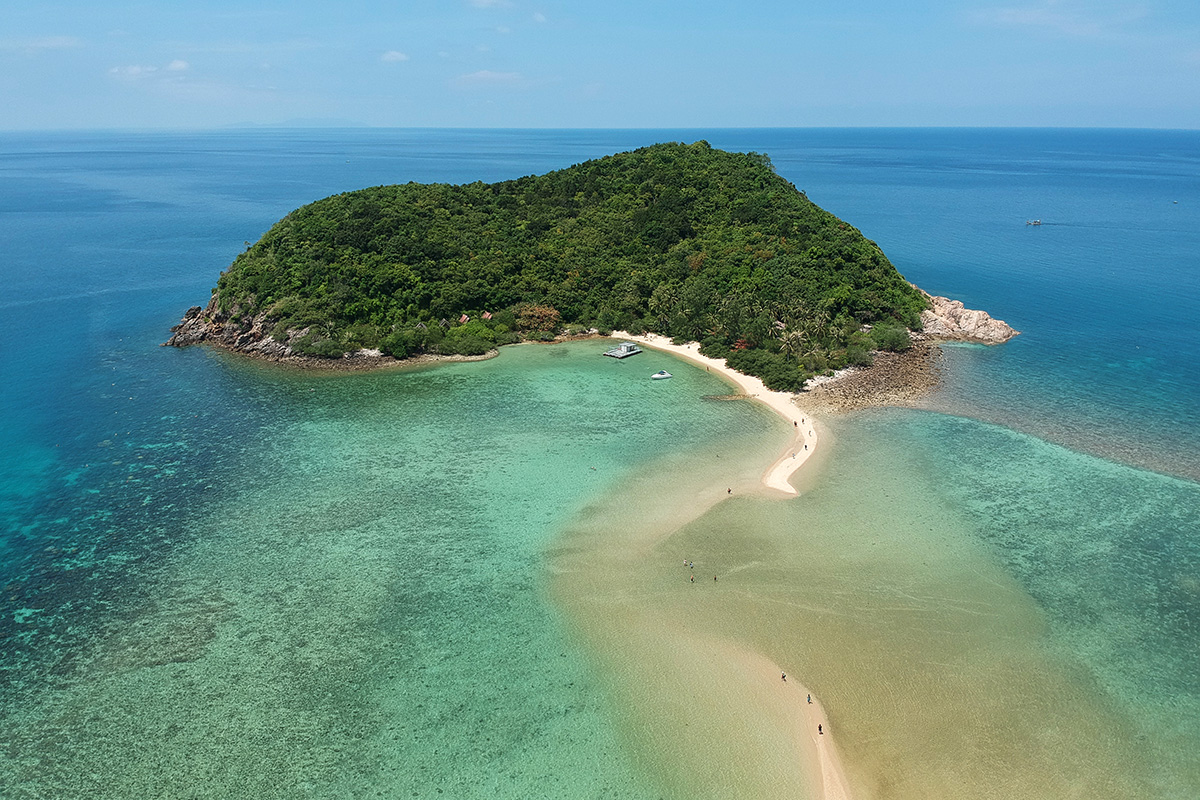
[{"x": 120, "y": 456}]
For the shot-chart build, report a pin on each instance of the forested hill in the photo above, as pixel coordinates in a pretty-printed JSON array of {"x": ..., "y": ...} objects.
[{"x": 683, "y": 240}]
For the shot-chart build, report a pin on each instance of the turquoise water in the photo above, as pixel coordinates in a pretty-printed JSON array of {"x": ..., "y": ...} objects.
[
  {"x": 356, "y": 602},
  {"x": 1109, "y": 553},
  {"x": 234, "y": 580}
]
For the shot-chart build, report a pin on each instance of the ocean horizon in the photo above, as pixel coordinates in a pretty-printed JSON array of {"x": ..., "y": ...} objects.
[{"x": 230, "y": 578}]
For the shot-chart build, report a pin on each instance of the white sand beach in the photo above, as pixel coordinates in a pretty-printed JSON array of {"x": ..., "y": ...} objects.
[{"x": 803, "y": 444}]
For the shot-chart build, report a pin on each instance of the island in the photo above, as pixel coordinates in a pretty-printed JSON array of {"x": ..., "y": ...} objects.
[{"x": 685, "y": 241}]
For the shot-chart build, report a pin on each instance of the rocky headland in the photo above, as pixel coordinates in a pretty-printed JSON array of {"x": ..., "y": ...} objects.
[
  {"x": 905, "y": 378},
  {"x": 251, "y": 336}
]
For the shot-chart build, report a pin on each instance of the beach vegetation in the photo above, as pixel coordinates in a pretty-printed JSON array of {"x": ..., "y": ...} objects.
[
  {"x": 891, "y": 336},
  {"x": 683, "y": 240}
]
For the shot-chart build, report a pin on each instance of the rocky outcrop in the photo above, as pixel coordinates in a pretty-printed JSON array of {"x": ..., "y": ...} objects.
[
  {"x": 213, "y": 326},
  {"x": 252, "y": 336},
  {"x": 949, "y": 319}
]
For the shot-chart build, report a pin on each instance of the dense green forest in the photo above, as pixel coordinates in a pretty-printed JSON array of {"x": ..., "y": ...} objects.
[{"x": 683, "y": 240}]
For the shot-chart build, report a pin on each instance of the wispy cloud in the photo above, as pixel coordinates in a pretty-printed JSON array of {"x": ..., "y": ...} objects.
[
  {"x": 1064, "y": 18},
  {"x": 539, "y": 17},
  {"x": 133, "y": 71},
  {"x": 39, "y": 44},
  {"x": 393, "y": 56},
  {"x": 491, "y": 3},
  {"x": 173, "y": 70},
  {"x": 486, "y": 77}
]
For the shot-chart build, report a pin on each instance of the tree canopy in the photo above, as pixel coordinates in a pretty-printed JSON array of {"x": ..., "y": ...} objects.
[{"x": 683, "y": 240}]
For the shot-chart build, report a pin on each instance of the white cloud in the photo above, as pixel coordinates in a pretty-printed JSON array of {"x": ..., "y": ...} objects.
[
  {"x": 486, "y": 77},
  {"x": 392, "y": 56},
  {"x": 491, "y": 3},
  {"x": 539, "y": 17},
  {"x": 503, "y": 29},
  {"x": 178, "y": 65}
]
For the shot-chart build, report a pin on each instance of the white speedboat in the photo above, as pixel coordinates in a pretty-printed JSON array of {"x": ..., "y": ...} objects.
[{"x": 661, "y": 375}]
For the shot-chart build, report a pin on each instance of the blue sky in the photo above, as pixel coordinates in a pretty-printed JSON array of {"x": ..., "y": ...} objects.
[{"x": 528, "y": 63}]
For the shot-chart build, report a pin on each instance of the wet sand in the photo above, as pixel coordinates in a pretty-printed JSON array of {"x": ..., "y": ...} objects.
[
  {"x": 933, "y": 664},
  {"x": 712, "y": 706}
]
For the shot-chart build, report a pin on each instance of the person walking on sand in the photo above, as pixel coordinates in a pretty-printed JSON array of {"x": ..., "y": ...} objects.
[
  {"x": 783, "y": 677},
  {"x": 810, "y": 699},
  {"x": 820, "y": 730}
]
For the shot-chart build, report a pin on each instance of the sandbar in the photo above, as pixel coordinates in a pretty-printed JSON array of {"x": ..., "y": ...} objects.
[
  {"x": 803, "y": 712},
  {"x": 803, "y": 444}
]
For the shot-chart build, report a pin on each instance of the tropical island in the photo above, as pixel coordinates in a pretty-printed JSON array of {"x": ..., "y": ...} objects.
[{"x": 685, "y": 241}]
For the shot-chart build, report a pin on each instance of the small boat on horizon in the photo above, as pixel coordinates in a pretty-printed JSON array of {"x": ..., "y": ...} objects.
[
  {"x": 661, "y": 375},
  {"x": 1033, "y": 222}
]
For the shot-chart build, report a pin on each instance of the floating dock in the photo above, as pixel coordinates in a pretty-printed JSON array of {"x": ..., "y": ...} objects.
[{"x": 623, "y": 350}]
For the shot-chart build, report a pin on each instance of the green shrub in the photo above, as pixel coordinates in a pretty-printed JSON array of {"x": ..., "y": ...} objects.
[
  {"x": 313, "y": 344},
  {"x": 466, "y": 345},
  {"x": 776, "y": 370},
  {"x": 890, "y": 336},
  {"x": 714, "y": 347},
  {"x": 858, "y": 356},
  {"x": 363, "y": 335},
  {"x": 398, "y": 344}
]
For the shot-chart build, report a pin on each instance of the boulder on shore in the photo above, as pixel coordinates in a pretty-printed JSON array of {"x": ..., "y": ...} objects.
[{"x": 950, "y": 319}]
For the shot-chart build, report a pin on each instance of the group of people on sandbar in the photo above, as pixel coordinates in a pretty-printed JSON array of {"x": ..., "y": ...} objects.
[
  {"x": 783, "y": 677},
  {"x": 691, "y": 566}
]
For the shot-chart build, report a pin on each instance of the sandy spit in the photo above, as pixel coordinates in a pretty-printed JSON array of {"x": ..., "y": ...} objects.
[
  {"x": 803, "y": 444},
  {"x": 816, "y": 750}
]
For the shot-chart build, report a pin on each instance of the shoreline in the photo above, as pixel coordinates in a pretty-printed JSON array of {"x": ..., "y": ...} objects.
[
  {"x": 804, "y": 440},
  {"x": 817, "y": 751}
]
